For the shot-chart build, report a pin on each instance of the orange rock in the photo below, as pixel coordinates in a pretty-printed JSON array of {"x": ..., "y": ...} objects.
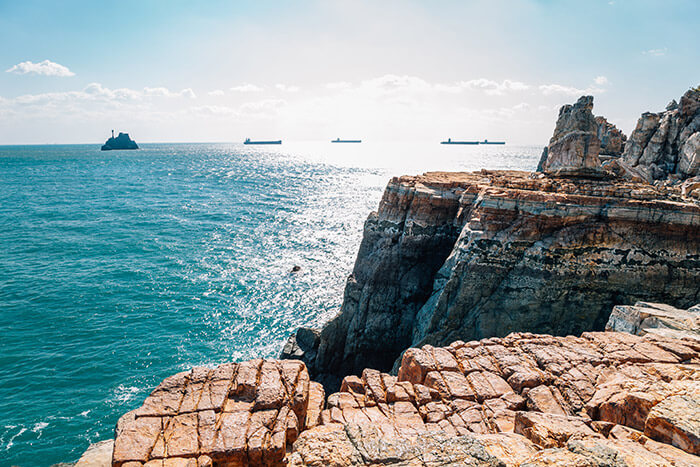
[{"x": 550, "y": 430}]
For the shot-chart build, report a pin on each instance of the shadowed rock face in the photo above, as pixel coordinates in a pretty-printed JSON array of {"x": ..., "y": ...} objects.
[
  {"x": 612, "y": 140},
  {"x": 453, "y": 256},
  {"x": 597, "y": 400},
  {"x": 664, "y": 145}
]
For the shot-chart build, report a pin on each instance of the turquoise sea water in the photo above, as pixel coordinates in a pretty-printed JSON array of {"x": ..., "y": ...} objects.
[{"x": 118, "y": 269}]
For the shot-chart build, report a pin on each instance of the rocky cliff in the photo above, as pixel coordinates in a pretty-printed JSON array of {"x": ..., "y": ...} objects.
[
  {"x": 612, "y": 139},
  {"x": 575, "y": 144},
  {"x": 452, "y": 256},
  {"x": 665, "y": 145},
  {"x": 471, "y": 255},
  {"x": 603, "y": 399}
]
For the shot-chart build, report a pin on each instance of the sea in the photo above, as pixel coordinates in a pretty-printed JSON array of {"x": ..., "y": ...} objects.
[{"x": 120, "y": 268}]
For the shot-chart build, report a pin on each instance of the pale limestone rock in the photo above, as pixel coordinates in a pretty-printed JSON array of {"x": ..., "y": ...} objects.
[
  {"x": 657, "y": 319},
  {"x": 97, "y": 455}
]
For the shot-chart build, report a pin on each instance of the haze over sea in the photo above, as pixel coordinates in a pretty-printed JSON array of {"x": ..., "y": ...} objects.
[{"x": 118, "y": 269}]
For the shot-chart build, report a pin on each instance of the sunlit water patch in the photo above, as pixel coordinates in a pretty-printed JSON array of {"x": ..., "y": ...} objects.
[{"x": 118, "y": 269}]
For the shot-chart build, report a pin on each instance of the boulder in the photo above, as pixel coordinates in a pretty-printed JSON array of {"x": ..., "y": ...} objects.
[{"x": 656, "y": 319}]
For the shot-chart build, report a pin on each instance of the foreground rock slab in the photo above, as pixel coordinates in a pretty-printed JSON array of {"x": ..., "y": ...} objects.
[
  {"x": 236, "y": 414},
  {"x": 604, "y": 398},
  {"x": 601, "y": 399}
]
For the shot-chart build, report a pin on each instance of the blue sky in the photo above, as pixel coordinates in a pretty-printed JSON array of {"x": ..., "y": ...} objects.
[{"x": 224, "y": 70}]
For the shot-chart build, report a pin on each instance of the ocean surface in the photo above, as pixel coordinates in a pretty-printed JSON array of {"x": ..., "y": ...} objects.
[{"x": 120, "y": 268}]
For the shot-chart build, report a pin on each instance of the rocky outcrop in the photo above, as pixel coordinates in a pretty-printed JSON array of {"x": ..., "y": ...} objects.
[
  {"x": 603, "y": 398},
  {"x": 656, "y": 319},
  {"x": 121, "y": 142},
  {"x": 97, "y": 455},
  {"x": 236, "y": 414},
  {"x": 452, "y": 256},
  {"x": 520, "y": 400},
  {"x": 612, "y": 139},
  {"x": 664, "y": 145},
  {"x": 575, "y": 143}
]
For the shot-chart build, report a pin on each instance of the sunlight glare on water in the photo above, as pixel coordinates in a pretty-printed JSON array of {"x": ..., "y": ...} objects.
[{"x": 118, "y": 269}]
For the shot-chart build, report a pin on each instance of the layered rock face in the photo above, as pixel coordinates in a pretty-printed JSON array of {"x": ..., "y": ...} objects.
[
  {"x": 575, "y": 143},
  {"x": 612, "y": 139},
  {"x": 657, "y": 319},
  {"x": 597, "y": 400},
  {"x": 665, "y": 145},
  {"x": 471, "y": 255}
]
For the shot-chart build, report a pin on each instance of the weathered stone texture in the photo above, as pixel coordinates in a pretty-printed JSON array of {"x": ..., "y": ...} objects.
[
  {"x": 505, "y": 252},
  {"x": 600, "y": 399},
  {"x": 664, "y": 145},
  {"x": 575, "y": 143},
  {"x": 657, "y": 319},
  {"x": 236, "y": 414},
  {"x": 612, "y": 139},
  {"x": 524, "y": 399}
]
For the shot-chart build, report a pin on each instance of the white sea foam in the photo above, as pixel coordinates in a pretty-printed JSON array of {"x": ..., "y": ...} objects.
[
  {"x": 12, "y": 440},
  {"x": 124, "y": 394}
]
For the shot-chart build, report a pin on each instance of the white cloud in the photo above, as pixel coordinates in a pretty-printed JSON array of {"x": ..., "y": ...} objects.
[
  {"x": 339, "y": 85},
  {"x": 601, "y": 80},
  {"x": 45, "y": 68},
  {"x": 214, "y": 110},
  {"x": 287, "y": 88},
  {"x": 550, "y": 89},
  {"x": 216, "y": 92},
  {"x": 97, "y": 92},
  {"x": 246, "y": 88},
  {"x": 656, "y": 52},
  {"x": 165, "y": 92},
  {"x": 494, "y": 88},
  {"x": 264, "y": 106}
]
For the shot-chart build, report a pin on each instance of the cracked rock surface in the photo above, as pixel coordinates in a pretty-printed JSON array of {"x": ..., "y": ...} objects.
[
  {"x": 605, "y": 398},
  {"x": 463, "y": 256}
]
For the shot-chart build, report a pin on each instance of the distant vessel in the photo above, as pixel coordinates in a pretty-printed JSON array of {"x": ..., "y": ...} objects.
[
  {"x": 449, "y": 141},
  {"x": 120, "y": 142},
  {"x": 248, "y": 141},
  {"x": 338, "y": 140},
  {"x": 491, "y": 142}
]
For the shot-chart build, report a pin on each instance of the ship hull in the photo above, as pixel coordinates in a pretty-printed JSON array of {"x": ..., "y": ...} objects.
[
  {"x": 262, "y": 142},
  {"x": 469, "y": 143},
  {"x": 347, "y": 141}
]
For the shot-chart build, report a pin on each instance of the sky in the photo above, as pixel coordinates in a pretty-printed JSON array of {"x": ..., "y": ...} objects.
[{"x": 183, "y": 71}]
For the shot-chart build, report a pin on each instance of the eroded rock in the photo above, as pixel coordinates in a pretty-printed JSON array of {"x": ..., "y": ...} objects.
[
  {"x": 656, "y": 319},
  {"x": 575, "y": 144},
  {"x": 612, "y": 139},
  {"x": 665, "y": 145}
]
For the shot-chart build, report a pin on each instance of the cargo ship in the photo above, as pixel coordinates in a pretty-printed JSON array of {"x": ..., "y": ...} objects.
[
  {"x": 249, "y": 141},
  {"x": 338, "y": 140},
  {"x": 449, "y": 141},
  {"x": 491, "y": 142}
]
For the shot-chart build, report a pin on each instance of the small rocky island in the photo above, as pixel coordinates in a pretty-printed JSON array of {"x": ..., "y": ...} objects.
[
  {"x": 120, "y": 142},
  {"x": 493, "y": 318}
]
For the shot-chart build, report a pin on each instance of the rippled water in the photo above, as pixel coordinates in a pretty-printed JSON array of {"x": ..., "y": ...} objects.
[{"x": 118, "y": 269}]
